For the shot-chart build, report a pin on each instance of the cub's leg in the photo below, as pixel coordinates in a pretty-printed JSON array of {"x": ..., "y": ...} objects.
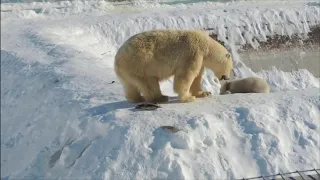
[
  {"x": 195, "y": 88},
  {"x": 132, "y": 93}
]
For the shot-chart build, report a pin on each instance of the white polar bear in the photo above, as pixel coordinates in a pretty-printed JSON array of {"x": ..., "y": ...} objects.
[
  {"x": 150, "y": 57},
  {"x": 246, "y": 85}
]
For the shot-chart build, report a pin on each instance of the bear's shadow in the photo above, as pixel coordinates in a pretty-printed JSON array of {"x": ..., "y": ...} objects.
[
  {"x": 172, "y": 100},
  {"x": 113, "y": 106},
  {"x": 108, "y": 107}
]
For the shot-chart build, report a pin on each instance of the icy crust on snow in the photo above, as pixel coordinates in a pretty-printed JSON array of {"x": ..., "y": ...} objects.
[
  {"x": 61, "y": 117},
  {"x": 98, "y": 6},
  {"x": 241, "y": 22}
]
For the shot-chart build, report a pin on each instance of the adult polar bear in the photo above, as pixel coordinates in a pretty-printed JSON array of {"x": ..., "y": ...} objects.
[{"x": 149, "y": 57}]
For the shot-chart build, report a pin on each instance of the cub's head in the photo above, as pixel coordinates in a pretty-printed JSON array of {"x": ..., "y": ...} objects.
[{"x": 225, "y": 87}]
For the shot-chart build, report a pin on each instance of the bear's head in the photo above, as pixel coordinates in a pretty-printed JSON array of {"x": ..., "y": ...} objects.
[
  {"x": 221, "y": 65},
  {"x": 218, "y": 59}
]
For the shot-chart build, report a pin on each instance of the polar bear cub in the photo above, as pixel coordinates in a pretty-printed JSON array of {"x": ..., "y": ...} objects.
[{"x": 246, "y": 85}]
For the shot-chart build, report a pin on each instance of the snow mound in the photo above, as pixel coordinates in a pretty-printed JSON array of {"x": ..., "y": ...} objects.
[{"x": 222, "y": 137}]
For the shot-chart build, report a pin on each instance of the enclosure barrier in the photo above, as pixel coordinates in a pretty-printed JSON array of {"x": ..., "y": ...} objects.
[{"x": 312, "y": 174}]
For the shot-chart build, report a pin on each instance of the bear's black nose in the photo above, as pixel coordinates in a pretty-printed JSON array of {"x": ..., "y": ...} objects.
[{"x": 224, "y": 77}]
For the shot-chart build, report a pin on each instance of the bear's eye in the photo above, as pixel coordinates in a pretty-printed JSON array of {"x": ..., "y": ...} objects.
[{"x": 228, "y": 55}]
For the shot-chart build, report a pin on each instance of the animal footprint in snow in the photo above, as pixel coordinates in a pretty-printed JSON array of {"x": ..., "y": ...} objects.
[
  {"x": 180, "y": 141},
  {"x": 170, "y": 169},
  {"x": 201, "y": 145},
  {"x": 56, "y": 156},
  {"x": 169, "y": 135},
  {"x": 220, "y": 141},
  {"x": 208, "y": 141},
  {"x": 200, "y": 122},
  {"x": 73, "y": 152}
]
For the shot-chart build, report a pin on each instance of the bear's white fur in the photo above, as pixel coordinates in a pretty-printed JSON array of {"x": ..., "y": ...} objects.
[
  {"x": 149, "y": 57},
  {"x": 246, "y": 85}
]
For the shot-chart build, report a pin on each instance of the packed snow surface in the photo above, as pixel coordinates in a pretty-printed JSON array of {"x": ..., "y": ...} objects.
[{"x": 61, "y": 117}]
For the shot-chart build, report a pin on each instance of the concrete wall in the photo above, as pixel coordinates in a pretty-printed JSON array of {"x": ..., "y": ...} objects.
[
  {"x": 287, "y": 60},
  {"x": 284, "y": 53}
]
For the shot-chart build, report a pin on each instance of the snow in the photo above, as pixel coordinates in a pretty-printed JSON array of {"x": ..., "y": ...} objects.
[{"x": 60, "y": 117}]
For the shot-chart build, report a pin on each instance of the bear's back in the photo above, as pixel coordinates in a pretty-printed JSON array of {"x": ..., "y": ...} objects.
[
  {"x": 156, "y": 44},
  {"x": 160, "y": 52}
]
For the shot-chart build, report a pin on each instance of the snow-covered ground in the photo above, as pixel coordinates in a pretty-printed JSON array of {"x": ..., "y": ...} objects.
[{"x": 61, "y": 117}]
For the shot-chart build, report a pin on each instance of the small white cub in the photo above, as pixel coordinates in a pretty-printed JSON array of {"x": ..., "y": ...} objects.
[{"x": 246, "y": 85}]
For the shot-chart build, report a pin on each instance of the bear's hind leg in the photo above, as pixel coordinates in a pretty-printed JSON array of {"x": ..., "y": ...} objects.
[
  {"x": 195, "y": 88},
  {"x": 150, "y": 90},
  {"x": 132, "y": 93}
]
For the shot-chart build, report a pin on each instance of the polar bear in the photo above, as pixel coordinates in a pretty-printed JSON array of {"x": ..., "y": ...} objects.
[
  {"x": 150, "y": 57},
  {"x": 246, "y": 85}
]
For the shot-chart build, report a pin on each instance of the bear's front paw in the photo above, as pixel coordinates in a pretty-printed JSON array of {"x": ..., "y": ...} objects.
[
  {"x": 201, "y": 94},
  {"x": 188, "y": 99},
  {"x": 159, "y": 99},
  {"x": 136, "y": 100},
  {"x": 225, "y": 92}
]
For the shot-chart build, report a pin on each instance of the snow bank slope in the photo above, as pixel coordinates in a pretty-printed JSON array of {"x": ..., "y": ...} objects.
[
  {"x": 60, "y": 117},
  {"x": 223, "y": 137},
  {"x": 226, "y": 137}
]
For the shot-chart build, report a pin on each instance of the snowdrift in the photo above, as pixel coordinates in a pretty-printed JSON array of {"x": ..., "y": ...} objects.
[{"x": 62, "y": 118}]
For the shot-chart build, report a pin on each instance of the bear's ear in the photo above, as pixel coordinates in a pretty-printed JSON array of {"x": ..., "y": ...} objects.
[{"x": 228, "y": 55}]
